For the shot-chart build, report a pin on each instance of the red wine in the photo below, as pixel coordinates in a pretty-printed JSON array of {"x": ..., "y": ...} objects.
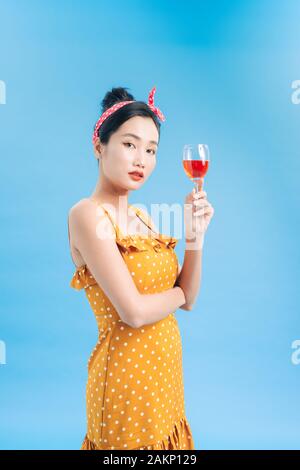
[{"x": 195, "y": 168}]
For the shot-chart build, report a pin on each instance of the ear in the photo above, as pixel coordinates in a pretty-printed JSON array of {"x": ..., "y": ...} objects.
[{"x": 97, "y": 148}]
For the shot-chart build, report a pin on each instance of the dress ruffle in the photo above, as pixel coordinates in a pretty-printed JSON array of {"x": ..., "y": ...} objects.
[
  {"x": 179, "y": 439},
  {"x": 83, "y": 278},
  {"x": 143, "y": 242}
]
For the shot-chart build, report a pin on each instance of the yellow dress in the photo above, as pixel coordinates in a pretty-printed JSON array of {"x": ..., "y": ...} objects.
[{"x": 135, "y": 390}]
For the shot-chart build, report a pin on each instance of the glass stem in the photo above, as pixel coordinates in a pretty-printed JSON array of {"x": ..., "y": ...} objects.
[{"x": 197, "y": 185}]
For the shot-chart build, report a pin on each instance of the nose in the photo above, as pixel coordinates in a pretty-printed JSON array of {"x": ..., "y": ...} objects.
[{"x": 140, "y": 163}]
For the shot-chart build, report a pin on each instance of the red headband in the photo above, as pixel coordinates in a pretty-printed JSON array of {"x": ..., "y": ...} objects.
[{"x": 119, "y": 105}]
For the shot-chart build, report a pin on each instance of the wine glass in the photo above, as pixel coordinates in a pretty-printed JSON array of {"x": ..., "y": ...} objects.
[{"x": 195, "y": 162}]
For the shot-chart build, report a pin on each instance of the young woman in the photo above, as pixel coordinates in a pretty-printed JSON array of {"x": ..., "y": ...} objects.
[{"x": 134, "y": 284}]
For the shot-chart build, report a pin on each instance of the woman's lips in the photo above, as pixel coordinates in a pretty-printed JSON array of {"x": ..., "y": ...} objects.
[{"x": 136, "y": 176}]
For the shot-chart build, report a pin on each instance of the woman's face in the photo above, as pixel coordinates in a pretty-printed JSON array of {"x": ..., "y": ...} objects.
[{"x": 125, "y": 153}]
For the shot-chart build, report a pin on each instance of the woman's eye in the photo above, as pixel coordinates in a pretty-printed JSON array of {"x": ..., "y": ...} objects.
[{"x": 151, "y": 150}]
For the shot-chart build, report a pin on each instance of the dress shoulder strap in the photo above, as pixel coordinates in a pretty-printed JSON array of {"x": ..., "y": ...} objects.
[
  {"x": 146, "y": 219},
  {"x": 116, "y": 227}
]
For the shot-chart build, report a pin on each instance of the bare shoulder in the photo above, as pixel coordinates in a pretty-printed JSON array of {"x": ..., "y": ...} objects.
[
  {"x": 84, "y": 205},
  {"x": 87, "y": 215},
  {"x": 85, "y": 208}
]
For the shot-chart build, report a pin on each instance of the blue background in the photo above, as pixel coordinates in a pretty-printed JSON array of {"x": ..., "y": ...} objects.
[{"x": 223, "y": 72}]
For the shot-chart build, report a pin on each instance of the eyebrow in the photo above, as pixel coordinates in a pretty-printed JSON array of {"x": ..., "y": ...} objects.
[{"x": 138, "y": 138}]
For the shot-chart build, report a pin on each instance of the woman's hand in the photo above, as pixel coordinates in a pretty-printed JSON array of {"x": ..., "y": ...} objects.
[{"x": 198, "y": 213}]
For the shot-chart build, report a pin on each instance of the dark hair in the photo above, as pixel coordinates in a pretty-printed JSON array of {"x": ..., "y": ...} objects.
[{"x": 116, "y": 119}]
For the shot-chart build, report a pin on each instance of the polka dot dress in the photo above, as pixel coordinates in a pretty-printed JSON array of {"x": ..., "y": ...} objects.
[{"x": 135, "y": 391}]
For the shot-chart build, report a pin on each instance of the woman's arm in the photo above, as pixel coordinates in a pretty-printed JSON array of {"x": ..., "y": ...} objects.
[
  {"x": 198, "y": 214},
  {"x": 189, "y": 277},
  {"x": 154, "y": 307},
  {"x": 100, "y": 252}
]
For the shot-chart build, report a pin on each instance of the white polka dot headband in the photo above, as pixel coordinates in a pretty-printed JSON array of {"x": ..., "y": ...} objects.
[{"x": 119, "y": 105}]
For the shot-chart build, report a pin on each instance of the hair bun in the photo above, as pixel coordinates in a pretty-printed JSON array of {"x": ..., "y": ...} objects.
[{"x": 115, "y": 96}]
